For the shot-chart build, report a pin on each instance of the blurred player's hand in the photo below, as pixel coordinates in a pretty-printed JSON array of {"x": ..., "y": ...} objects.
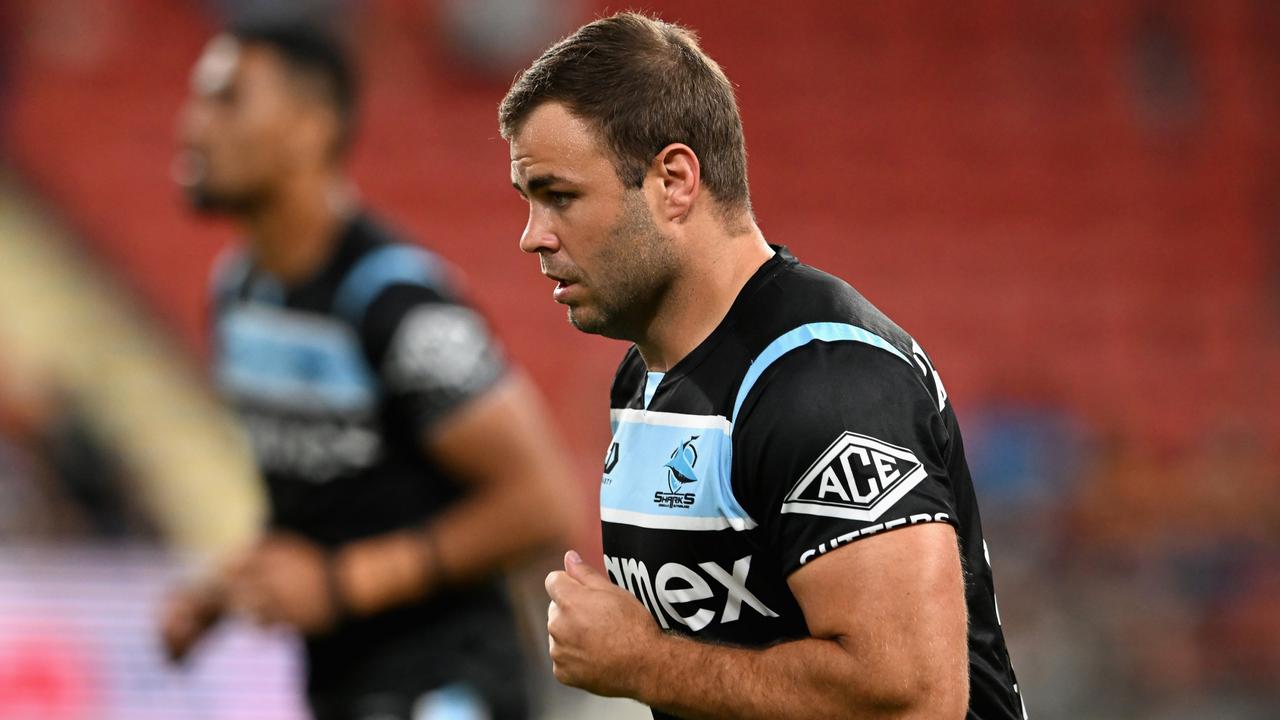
[
  {"x": 596, "y": 630},
  {"x": 384, "y": 571},
  {"x": 187, "y": 615},
  {"x": 283, "y": 579}
]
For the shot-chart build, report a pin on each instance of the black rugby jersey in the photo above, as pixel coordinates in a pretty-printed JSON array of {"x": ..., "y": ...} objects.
[
  {"x": 336, "y": 380},
  {"x": 806, "y": 420}
]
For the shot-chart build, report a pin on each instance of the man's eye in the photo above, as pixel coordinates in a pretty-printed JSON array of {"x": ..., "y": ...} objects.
[{"x": 560, "y": 199}]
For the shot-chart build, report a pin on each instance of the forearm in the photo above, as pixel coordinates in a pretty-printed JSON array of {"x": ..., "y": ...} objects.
[
  {"x": 801, "y": 679},
  {"x": 505, "y": 449},
  {"x": 479, "y": 535},
  {"x": 499, "y": 449},
  {"x": 494, "y": 529}
]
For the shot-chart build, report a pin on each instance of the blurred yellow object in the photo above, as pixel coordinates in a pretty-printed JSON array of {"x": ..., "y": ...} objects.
[{"x": 63, "y": 322}]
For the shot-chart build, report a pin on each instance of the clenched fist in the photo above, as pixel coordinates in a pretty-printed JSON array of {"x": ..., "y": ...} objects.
[{"x": 599, "y": 634}]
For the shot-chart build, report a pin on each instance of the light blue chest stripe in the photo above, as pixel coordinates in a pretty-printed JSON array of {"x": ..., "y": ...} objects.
[
  {"x": 651, "y": 382},
  {"x": 388, "y": 265},
  {"x": 267, "y": 354},
  {"x": 647, "y": 440},
  {"x": 803, "y": 335}
]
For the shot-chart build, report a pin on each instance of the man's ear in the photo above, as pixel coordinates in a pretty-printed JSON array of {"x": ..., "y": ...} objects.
[
  {"x": 679, "y": 171},
  {"x": 316, "y": 129}
]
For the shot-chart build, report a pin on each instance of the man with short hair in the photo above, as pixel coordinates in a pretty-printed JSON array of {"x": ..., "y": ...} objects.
[
  {"x": 789, "y": 524},
  {"x": 406, "y": 463}
]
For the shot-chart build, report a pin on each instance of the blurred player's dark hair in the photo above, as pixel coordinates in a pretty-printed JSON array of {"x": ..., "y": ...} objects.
[
  {"x": 317, "y": 58},
  {"x": 644, "y": 84}
]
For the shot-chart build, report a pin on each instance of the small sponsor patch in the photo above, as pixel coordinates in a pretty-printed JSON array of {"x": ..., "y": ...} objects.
[
  {"x": 440, "y": 348},
  {"x": 857, "y": 477},
  {"x": 846, "y": 538}
]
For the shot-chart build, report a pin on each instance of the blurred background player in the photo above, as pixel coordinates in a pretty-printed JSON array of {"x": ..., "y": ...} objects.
[{"x": 406, "y": 464}]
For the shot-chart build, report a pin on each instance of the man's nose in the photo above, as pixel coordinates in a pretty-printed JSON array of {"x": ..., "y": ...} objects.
[{"x": 538, "y": 236}]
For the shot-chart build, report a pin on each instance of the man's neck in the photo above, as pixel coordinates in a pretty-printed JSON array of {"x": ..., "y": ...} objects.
[
  {"x": 702, "y": 295},
  {"x": 293, "y": 236}
]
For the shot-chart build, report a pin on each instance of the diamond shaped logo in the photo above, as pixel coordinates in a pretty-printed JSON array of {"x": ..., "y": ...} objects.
[{"x": 857, "y": 477}]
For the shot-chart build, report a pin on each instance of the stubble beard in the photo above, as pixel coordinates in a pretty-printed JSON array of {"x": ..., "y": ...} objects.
[
  {"x": 636, "y": 267},
  {"x": 204, "y": 201},
  {"x": 191, "y": 171}
]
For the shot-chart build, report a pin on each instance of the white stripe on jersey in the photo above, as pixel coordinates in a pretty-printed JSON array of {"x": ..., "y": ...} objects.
[
  {"x": 674, "y": 522},
  {"x": 654, "y": 417}
]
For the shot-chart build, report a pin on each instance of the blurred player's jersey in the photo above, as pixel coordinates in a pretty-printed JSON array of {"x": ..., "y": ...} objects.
[
  {"x": 337, "y": 381},
  {"x": 806, "y": 421}
]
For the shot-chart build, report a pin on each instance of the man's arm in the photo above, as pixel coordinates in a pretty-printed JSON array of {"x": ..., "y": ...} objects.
[
  {"x": 886, "y": 613},
  {"x": 500, "y": 445},
  {"x": 503, "y": 448}
]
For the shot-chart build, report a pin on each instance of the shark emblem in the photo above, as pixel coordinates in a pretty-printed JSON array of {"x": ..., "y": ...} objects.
[{"x": 680, "y": 468}]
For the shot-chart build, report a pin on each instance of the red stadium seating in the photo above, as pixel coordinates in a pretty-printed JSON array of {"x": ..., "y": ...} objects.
[{"x": 986, "y": 172}]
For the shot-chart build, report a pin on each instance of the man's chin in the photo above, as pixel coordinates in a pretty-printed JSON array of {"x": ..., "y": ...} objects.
[
  {"x": 585, "y": 321},
  {"x": 579, "y": 321},
  {"x": 594, "y": 324},
  {"x": 205, "y": 202}
]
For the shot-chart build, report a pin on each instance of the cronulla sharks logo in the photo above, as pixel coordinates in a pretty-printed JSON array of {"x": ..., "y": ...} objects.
[
  {"x": 680, "y": 467},
  {"x": 680, "y": 472}
]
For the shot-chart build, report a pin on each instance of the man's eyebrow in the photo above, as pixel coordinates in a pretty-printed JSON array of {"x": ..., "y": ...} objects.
[{"x": 539, "y": 182}]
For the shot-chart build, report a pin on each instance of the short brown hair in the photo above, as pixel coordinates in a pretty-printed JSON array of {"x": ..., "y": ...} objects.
[{"x": 644, "y": 84}]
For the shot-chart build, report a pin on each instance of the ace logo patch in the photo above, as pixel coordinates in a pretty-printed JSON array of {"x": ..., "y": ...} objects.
[{"x": 857, "y": 477}]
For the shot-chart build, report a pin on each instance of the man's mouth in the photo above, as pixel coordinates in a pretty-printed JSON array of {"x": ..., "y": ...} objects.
[{"x": 564, "y": 286}]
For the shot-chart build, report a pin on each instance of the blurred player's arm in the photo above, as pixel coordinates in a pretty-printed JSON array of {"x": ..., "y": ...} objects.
[
  {"x": 888, "y": 624},
  {"x": 502, "y": 446},
  {"x": 480, "y": 422}
]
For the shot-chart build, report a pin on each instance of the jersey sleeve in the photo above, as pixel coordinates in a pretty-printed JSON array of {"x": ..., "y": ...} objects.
[
  {"x": 836, "y": 442},
  {"x": 432, "y": 354}
]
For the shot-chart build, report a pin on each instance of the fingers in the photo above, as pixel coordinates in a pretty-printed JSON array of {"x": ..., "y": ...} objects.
[
  {"x": 186, "y": 615},
  {"x": 554, "y": 646},
  {"x": 571, "y": 558},
  {"x": 584, "y": 573},
  {"x": 553, "y": 612},
  {"x": 178, "y": 634},
  {"x": 559, "y": 584}
]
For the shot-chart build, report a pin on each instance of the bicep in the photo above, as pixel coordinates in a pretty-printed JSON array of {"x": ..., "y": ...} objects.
[
  {"x": 843, "y": 444},
  {"x": 894, "y": 602}
]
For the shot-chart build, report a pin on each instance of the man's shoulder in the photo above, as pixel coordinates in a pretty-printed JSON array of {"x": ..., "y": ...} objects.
[
  {"x": 804, "y": 302},
  {"x": 376, "y": 260},
  {"x": 810, "y": 334}
]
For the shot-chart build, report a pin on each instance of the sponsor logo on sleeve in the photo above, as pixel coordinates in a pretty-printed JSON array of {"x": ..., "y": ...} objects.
[
  {"x": 927, "y": 369},
  {"x": 857, "y": 478},
  {"x": 439, "y": 347},
  {"x": 846, "y": 538}
]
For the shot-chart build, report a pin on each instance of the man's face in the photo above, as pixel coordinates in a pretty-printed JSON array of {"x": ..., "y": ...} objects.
[
  {"x": 234, "y": 133},
  {"x": 594, "y": 237}
]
